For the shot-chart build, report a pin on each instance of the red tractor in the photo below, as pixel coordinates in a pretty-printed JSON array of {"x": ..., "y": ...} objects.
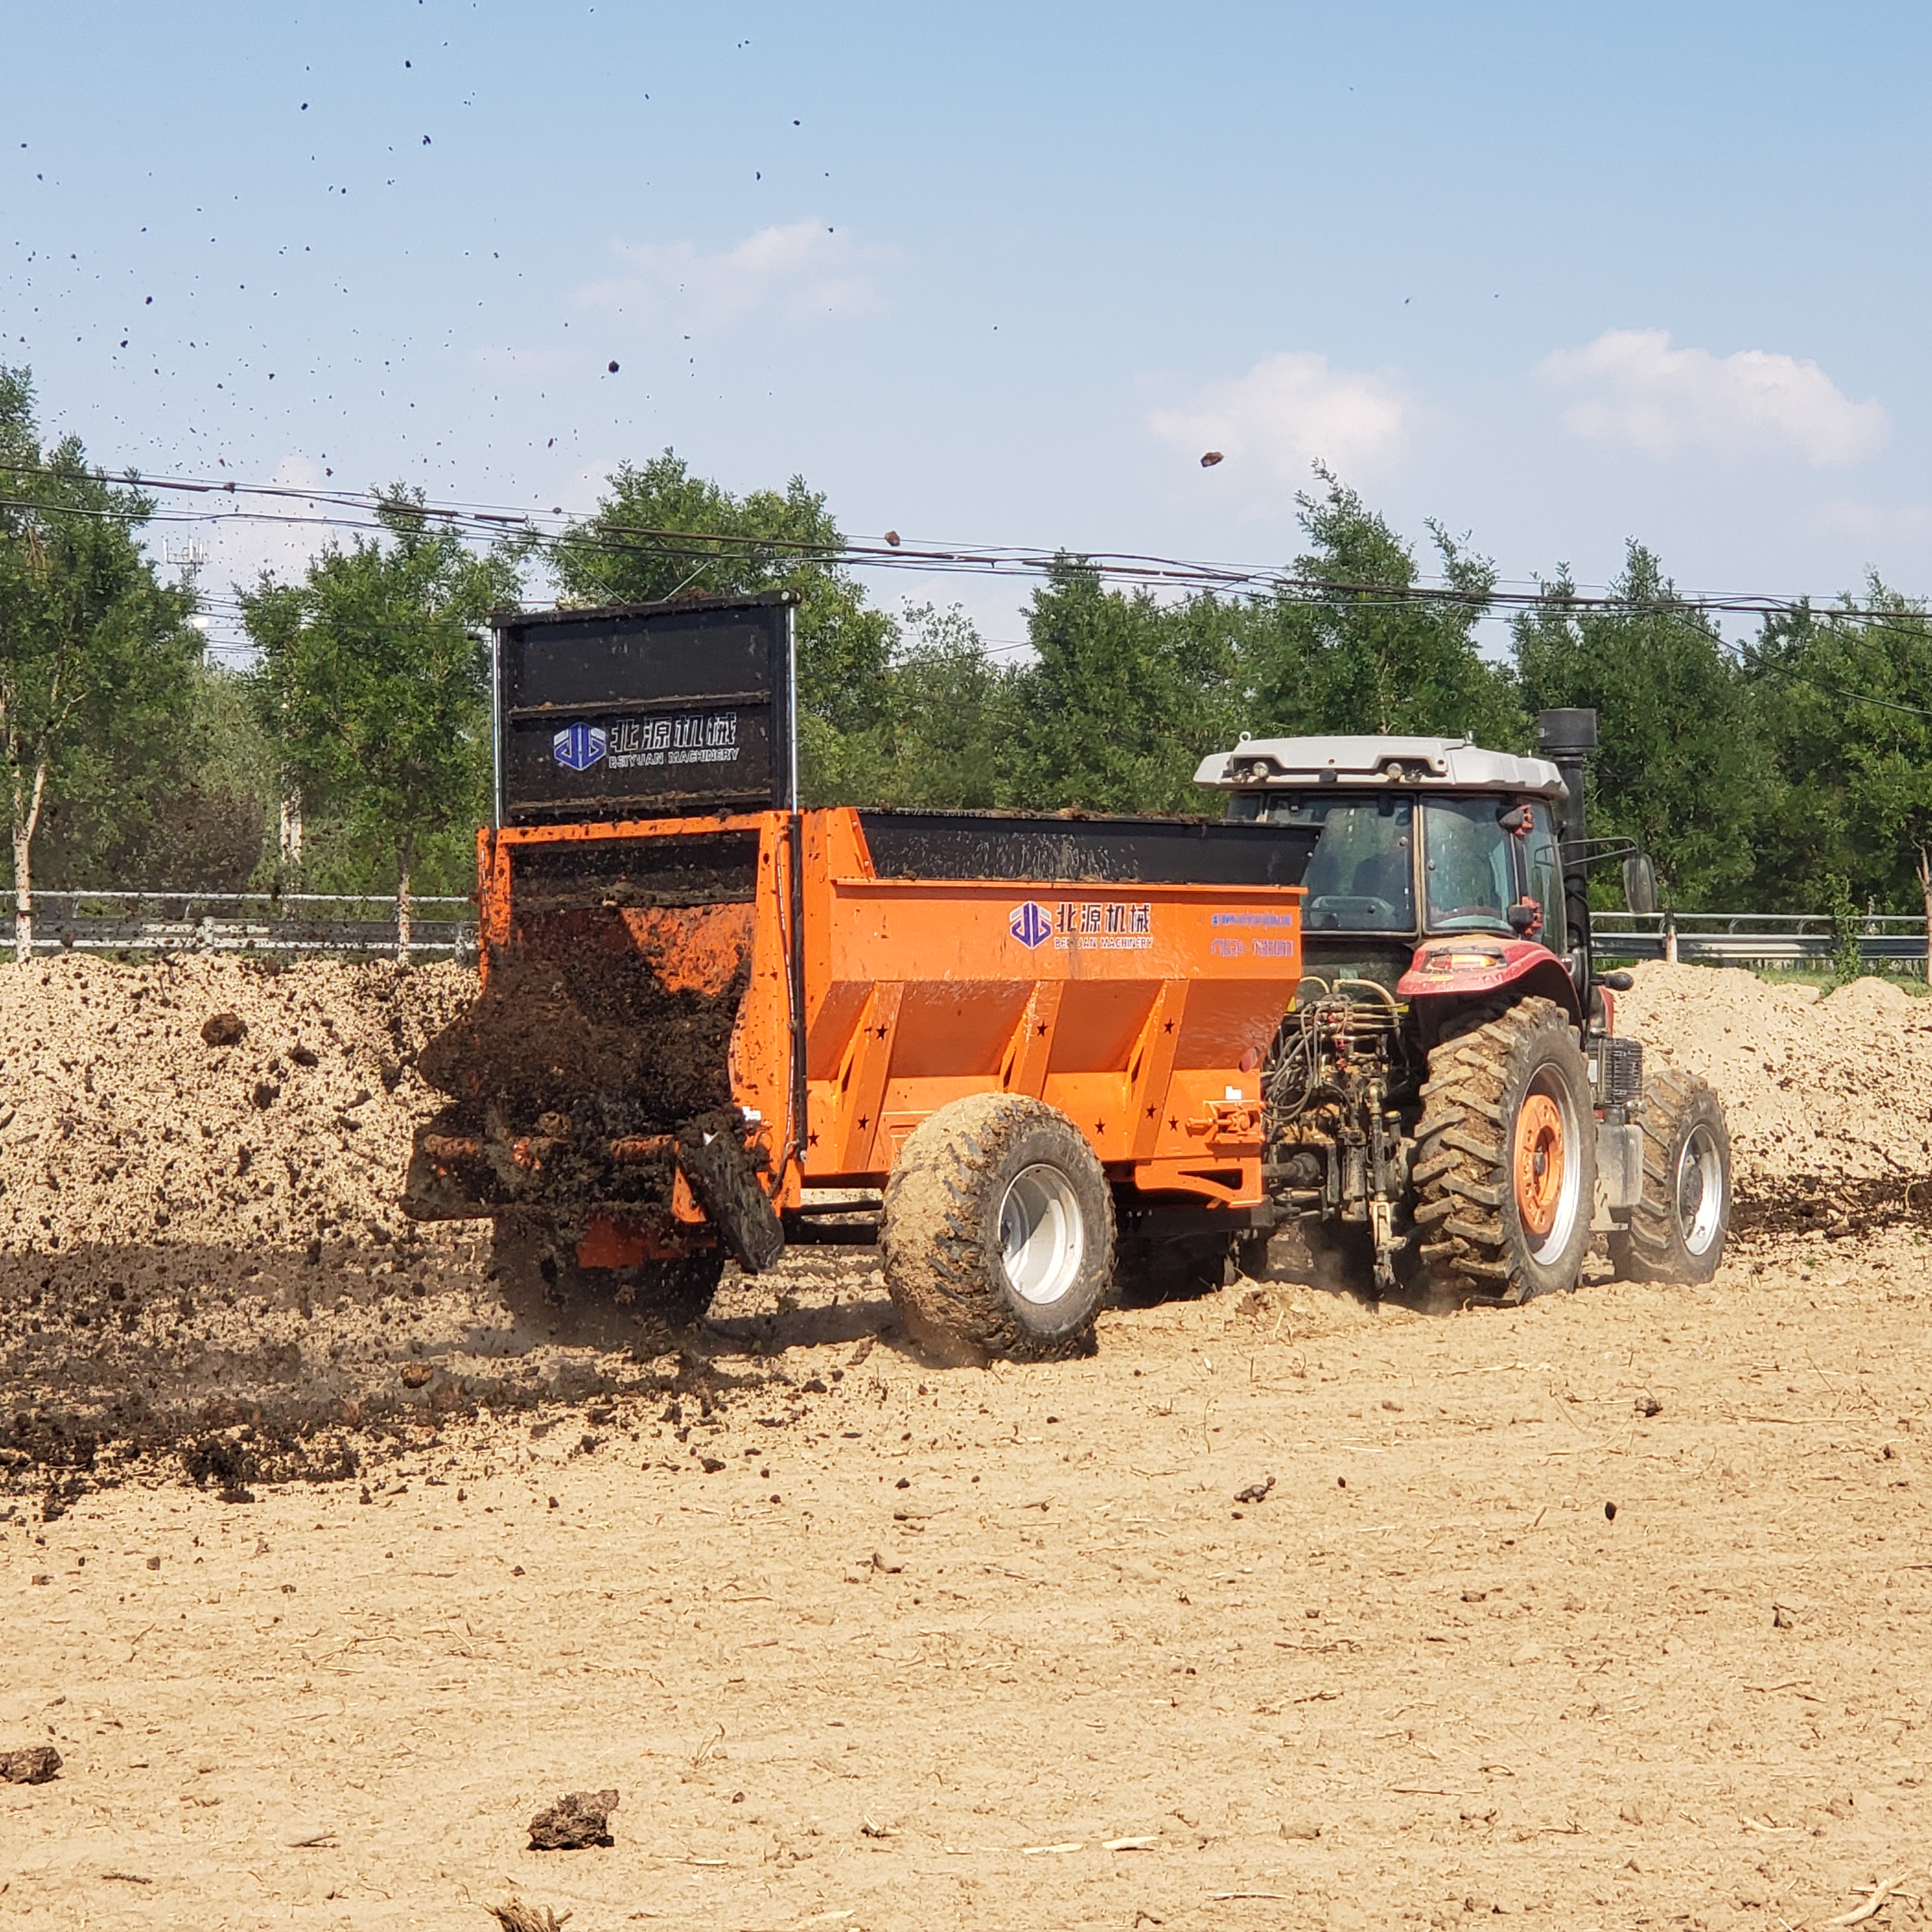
[{"x": 1449, "y": 1104}]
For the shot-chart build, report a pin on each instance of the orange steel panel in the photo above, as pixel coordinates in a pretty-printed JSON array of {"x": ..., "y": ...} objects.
[
  {"x": 1030, "y": 1052},
  {"x": 694, "y": 949},
  {"x": 1132, "y": 1008},
  {"x": 1152, "y": 1067},
  {"x": 862, "y": 1081}
]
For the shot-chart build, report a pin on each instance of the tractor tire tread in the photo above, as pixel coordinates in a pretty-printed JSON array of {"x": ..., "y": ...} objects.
[
  {"x": 1458, "y": 1168},
  {"x": 1650, "y": 1249}
]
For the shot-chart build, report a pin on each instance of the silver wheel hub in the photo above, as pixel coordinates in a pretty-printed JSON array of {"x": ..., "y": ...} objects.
[
  {"x": 1042, "y": 1234},
  {"x": 1700, "y": 1190}
]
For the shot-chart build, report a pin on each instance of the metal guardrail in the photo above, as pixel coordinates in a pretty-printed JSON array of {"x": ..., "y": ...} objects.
[
  {"x": 445, "y": 927},
  {"x": 248, "y": 922},
  {"x": 1754, "y": 939}
]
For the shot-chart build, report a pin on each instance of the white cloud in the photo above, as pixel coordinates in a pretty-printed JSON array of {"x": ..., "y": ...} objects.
[
  {"x": 1631, "y": 386},
  {"x": 1289, "y": 412},
  {"x": 1874, "y": 523},
  {"x": 804, "y": 271}
]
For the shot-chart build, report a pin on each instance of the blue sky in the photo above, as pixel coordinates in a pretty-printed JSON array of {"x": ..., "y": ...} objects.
[{"x": 1555, "y": 276}]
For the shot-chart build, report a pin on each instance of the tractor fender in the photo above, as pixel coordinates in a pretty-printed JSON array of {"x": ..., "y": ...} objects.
[{"x": 1474, "y": 966}]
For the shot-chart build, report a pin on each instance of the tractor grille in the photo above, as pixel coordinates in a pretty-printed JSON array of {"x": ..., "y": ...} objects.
[{"x": 1616, "y": 1071}]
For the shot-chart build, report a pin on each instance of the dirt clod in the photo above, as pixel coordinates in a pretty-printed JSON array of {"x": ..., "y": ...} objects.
[
  {"x": 34, "y": 1765},
  {"x": 1255, "y": 1493},
  {"x": 224, "y": 1030},
  {"x": 513, "y": 1915},
  {"x": 578, "y": 1818}
]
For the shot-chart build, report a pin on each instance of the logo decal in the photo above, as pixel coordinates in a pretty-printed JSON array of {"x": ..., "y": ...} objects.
[
  {"x": 1030, "y": 924},
  {"x": 578, "y": 747}
]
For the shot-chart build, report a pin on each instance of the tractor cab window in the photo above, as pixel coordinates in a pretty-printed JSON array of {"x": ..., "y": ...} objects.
[
  {"x": 1546, "y": 875},
  {"x": 1362, "y": 877},
  {"x": 1469, "y": 865}
]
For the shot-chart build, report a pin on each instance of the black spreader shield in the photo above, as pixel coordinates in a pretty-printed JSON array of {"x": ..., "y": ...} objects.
[
  {"x": 645, "y": 710},
  {"x": 1099, "y": 850}
]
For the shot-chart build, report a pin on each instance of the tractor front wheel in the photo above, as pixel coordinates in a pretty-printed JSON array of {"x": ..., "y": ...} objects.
[
  {"x": 1677, "y": 1229},
  {"x": 1505, "y": 1167}
]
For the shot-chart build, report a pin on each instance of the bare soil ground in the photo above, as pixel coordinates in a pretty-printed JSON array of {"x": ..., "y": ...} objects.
[{"x": 862, "y": 1642}]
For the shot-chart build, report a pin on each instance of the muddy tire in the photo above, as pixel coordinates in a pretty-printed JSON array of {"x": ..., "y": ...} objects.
[
  {"x": 673, "y": 1294},
  {"x": 1505, "y": 1166},
  {"x": 998, "y": 1235},
  {"x": 1677, "y": 1230},
  {"x": 1148, "y": 1271}
]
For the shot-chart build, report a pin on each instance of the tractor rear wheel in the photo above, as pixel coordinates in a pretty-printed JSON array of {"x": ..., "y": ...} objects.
[
  {"x": 1505, "y": 1166},
  {"x": 1677, "y": 1230},
  {"x": 998, "y": 1233}
]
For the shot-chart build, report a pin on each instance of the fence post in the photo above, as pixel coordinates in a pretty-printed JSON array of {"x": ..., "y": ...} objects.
[{"x": 1670, "y": 938}]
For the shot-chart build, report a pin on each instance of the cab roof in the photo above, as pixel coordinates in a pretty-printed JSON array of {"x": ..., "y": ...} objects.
[{"x": 1430, "y": 764}]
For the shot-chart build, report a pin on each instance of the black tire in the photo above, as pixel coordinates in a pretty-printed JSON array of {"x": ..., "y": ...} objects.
[
  {"x": 1250, "y": 1258},
  {"x": 998, "y": 1232},
  {"x": 541, "y": 1276},
  {"x": 1149, "y": 1270},
  {"x": 676, "y": 1293},
  {"x": 1677, "y": 1229},
  {"x": 1505, "y": 1166}
]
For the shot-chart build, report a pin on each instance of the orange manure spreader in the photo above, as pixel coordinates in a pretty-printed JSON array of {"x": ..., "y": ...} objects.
[{"x": 1028, "y": 1051}]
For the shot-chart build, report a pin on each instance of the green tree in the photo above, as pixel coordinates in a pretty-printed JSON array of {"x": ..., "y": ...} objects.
[
  {"x": 372, "y": 683},
  {"x": 1841, "y": 696},
  {"x": 660, "y": 531},
  {"x": 1371, "y": 656},
  {"x": 1678, "y": 767},
  {"x": 1124, "y": 697},
  {"x": 950, "y": 713},
  {"x": 175, "y": 798},
  {"x": 92, "y": 644}
]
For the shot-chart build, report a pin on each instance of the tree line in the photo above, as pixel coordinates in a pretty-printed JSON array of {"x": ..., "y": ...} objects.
[{"x": 350, "y": 751}]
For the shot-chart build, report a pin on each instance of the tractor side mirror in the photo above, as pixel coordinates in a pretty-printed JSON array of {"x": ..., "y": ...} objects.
[
  {"x": 1640, "y": 883},
  {"x": 1526, "y": 915}
]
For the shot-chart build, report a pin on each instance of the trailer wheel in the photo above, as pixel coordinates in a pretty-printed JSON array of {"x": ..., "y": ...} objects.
[
  {"x": 1677, "y": 1229},
  {"x": 1505, "y": 1166},
  {"x": 542, "y": 1280},
  {"x": 998, "y": 1234},
  {"x": 677, "y": 1294}
]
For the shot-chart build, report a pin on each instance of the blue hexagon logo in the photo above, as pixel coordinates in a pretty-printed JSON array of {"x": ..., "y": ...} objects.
[
  {"x": 1030, "y": 924},
  {"x": 578, "y": 747}
]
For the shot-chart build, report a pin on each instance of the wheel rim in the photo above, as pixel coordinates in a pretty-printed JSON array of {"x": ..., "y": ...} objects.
[
  {"x": 1042, "y": 1236},
  {"x": 1547, "y": 1179},
  {"x": 1700, "y": 1190}
]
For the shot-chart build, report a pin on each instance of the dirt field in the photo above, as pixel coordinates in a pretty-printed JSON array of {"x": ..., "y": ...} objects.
[{"x": 863, "y": 1643}]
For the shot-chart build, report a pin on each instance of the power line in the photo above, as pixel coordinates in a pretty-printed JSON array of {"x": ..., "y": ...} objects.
[{"x": 365, "y": 511}]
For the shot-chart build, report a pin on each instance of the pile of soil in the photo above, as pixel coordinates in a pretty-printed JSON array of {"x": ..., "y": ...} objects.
[
  {"x": 1833, "y": 1091},
  {"x": 202, "y": 1254},
  {"x": 119, "y": 1123}
]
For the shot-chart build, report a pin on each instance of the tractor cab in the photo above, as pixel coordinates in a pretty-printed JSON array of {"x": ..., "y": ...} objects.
[{"x": 1438, "y": 869}]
